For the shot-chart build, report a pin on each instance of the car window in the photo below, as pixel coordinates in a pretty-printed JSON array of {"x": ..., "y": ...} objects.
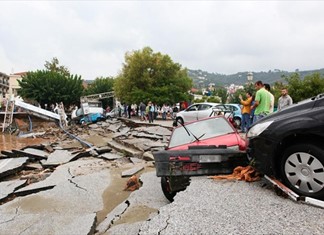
[
  {"x": 193, "y": 108},
  {"x": 204, "y": 106},
  {"x": 205, "y": 129}
]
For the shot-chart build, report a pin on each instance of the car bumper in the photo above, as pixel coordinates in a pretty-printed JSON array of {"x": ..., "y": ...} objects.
[
  {"x": 262, "y": 155},
  {"x": 194, "y": 162}
]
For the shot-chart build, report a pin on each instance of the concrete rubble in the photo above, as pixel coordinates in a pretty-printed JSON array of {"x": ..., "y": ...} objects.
[{"x": 57, "y": 188}]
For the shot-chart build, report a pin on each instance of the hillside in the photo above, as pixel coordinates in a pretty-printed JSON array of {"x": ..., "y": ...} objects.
[{"x": 203, "y": 78}]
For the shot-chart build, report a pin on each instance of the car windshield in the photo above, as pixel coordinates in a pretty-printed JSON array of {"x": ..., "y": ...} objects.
[{"x": 202, "y": 129}]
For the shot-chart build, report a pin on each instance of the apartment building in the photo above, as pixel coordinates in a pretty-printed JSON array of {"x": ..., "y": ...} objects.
[{"x": 4, "y": 85}]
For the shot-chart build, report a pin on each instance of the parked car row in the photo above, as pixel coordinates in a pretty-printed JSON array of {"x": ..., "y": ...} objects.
[{"x": 286, "y": 145}]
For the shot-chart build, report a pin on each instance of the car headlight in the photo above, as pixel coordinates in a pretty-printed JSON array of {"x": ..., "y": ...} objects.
[{"x": 258, "y": 129}]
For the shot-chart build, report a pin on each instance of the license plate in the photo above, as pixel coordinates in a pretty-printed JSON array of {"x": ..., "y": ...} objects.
[{"x": 211, "y": 158}]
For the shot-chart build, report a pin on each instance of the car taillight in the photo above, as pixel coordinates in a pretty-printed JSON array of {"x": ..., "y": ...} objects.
[{"x": 179, "y": 158}]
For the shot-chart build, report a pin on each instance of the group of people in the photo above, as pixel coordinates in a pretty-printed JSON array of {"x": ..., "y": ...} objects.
[
  {"x": 262, "y": 104},
  {"x": 147, "y": 112}
]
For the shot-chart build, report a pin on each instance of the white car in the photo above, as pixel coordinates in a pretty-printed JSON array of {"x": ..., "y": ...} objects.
[
  {"x": 112, "y": 114},
  {"x": 195, "y": 112}
]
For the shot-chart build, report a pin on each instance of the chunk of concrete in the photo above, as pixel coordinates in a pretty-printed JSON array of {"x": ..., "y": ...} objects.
[
  {"x": 148, "y": 156},
  {"x": 126, "y": 150},
  {"x": 50, "y": 223},
  {"x": 158, "y": 130},
  {"x": 110, "y": 156},
  {"x": 8, "y": 187},
  {"x": 104, "y": 149},
  {"x": 58, "y": 157},
  {"x": 149, "y": 136},
  {"x": 11, "y": 165},
  {"x": 32, "y": 153},
  {"x": 136, "y": 160},
  {"x": 132, "y": 171}
]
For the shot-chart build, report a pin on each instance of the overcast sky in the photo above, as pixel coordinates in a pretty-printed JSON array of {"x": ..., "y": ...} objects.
[{"x": 92, "y": 37}]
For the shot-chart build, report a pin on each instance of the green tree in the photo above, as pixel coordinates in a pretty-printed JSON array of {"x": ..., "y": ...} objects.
[
  {"x": 101, "y": 85},
  {"x": 151, "y": 76},
  {"x": 222, "y": 93},
  {"x": 214, "y": 99},
  {"x": 54, "y": 66},
  {"x": 47, "y": 87},
  {"x": 299, "y": 89}
]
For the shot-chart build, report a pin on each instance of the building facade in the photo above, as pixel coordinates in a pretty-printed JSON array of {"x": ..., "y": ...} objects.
[{"x": 4, "y": 85}]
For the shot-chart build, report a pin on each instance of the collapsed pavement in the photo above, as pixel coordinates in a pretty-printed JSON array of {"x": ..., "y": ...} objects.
[{"x": 58, "y": 188}]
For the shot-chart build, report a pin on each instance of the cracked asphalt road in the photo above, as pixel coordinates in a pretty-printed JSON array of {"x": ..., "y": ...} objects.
[{"x": 225, "y": 207}]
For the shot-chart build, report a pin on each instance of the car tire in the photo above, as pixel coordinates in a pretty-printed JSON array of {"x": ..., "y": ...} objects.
[
  {"x": 179, "y": 120},
  {"x": 166, "y": 188},
  {"x": 302, "y": 169}
]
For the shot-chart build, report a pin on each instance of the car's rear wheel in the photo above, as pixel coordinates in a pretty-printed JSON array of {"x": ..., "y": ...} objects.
[{"x": 302, "y": 169}]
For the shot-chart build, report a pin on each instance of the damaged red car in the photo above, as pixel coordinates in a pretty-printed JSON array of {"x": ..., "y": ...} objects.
[{"x": 204, "y": 147}]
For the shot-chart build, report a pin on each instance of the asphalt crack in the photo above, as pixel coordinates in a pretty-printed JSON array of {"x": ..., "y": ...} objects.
[
  {"x": 112, "y": 221},
  {"x": 166, "y": 226},
  {"x": 13, "y": 218},
  {"x": 76, "y": 185}
]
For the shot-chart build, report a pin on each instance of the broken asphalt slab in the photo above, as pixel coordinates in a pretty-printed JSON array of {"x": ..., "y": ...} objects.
[
  {"x": 157, "y": 130},
  {"x": 132, "y": 171},
  {"x": 32, "y": 153},
  {"x": 10, "y": 166},
  {"x": 62, "y": 174},
  {"x": 111, "y": 156},
  {"x": 143, "y": 144},
  {"x": 68, "y": 208},
  {"x": 8, "y": 187},
  {"x": 58, "y": 157},
  {"x": 50, "y": 224},
  {"x": 126, "y": 150}
]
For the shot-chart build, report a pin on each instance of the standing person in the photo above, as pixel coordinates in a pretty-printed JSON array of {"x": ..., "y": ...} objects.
[
  {"x": 268, "y": 88},
  {"x": 129, "y": 111},
  {"x": 150, "y": 112},
  {"x": 284, "y": 100},
  {"x": 142, "y": 108},
  {"x": 246, "y": 111},
  {"x": 164, "y": 111},
  {"x": 262, "y": 102}
]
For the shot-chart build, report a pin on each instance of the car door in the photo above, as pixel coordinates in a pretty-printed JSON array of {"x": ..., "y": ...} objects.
[
  {"x": 204, "y": 110},
  {"x": 191, "y": 113}
]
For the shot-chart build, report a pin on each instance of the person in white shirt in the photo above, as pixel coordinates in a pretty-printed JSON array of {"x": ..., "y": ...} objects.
[{"x": 284, "y": 100}]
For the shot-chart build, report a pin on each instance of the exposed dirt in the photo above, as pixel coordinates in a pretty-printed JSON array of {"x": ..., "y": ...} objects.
[{"x": 9, "y": 142}]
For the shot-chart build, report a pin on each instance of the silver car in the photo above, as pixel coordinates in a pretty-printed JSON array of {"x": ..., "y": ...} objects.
[{"x": 195, "y": 112}]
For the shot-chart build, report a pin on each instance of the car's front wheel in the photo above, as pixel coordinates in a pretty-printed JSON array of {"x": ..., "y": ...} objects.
[
  {"x": 166, "y": 188},
  {"x": 302, "y": 169},
  {"x": 171, "y": 185}
]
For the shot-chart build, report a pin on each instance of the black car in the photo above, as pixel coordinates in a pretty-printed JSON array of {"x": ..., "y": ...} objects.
[{"x": 289, "y": 145}]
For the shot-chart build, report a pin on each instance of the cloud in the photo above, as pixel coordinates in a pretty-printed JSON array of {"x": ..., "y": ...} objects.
[{"x": 91, "y": 37}]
